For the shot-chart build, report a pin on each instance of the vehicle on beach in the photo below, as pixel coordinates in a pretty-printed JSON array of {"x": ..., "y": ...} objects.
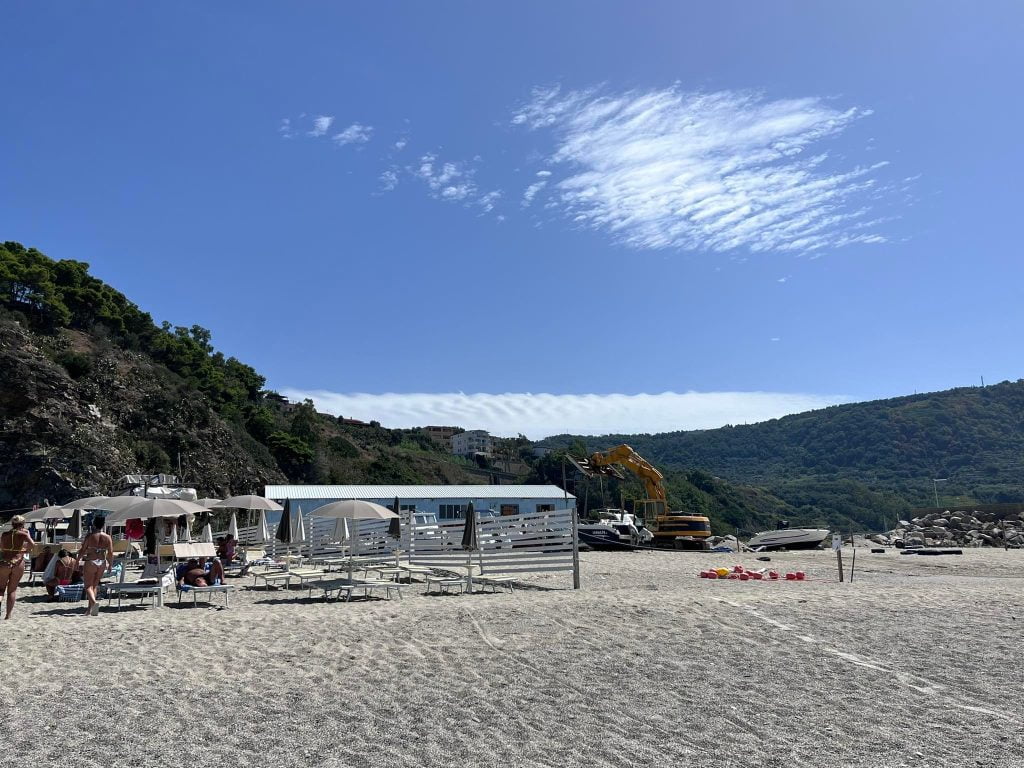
[
  {"x": 784, "y": 537},
  {"x": 614, "y": 529},
  {"x": 668, "y": 528}
]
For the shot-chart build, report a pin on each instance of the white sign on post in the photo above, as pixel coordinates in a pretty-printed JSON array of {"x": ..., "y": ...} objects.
[{"x": 837, "y": 541}]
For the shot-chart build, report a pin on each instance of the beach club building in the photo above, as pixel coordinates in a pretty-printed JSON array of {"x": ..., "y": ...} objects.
[{"x": 448, "y": 502}]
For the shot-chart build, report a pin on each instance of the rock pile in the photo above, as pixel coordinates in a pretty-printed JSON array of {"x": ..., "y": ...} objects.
[{"x": 959, "y": 528}]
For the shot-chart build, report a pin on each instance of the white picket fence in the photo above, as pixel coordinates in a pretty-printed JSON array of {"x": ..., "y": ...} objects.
[{"x": 514, "y": 544}]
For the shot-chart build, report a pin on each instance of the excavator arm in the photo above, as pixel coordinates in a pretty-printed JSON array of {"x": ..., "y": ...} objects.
[{"x": 604, "y": 463}]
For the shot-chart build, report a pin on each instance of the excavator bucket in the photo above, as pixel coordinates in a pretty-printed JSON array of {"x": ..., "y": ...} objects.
[{"x": 590, "y": 470}]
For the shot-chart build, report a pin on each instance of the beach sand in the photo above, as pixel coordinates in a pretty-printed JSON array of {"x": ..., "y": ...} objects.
[{"x": 918, "y": 662}]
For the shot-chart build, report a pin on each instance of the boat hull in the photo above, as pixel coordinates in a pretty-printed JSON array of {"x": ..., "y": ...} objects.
[{"x": 791, "y": 538}]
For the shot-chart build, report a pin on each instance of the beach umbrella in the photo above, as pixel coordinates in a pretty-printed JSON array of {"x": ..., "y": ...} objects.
[
  {"x": 341, "y": 529},
  {"x": 249, "y": 503},
  {"x": 144, "y": 509},
  {"x": 395, "y": 526},
  {"x": 262, "y": 530},
  {"x": 208, "y": 502},
  {"x": 207, "y": 535},
  {"x": 285, "y": 530},
  {"x": 89, "y": 502},
  {"x": 174, "y": 535},
  {"x": 299, "y": 529},
  {"x": 47, "y": 513},
  {"x": 233, "y": 527},
  {"x": 470, "y": 541},
  {"x": 354, "y": 510},
  {"x": 74, "y": 530}
]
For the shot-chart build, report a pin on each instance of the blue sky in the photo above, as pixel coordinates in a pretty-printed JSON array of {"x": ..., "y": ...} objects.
[{"x": 759, "y": 207}]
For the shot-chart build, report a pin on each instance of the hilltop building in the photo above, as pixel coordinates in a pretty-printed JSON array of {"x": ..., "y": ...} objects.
[
  {"x": 443, "y": 435},
  {"x": 472, "y": 442}
]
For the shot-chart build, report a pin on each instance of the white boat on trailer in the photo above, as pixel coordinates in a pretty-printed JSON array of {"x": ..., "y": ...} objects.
[
  {"x": 784, "y": 537},
  {"x": 616, "y": 529}
]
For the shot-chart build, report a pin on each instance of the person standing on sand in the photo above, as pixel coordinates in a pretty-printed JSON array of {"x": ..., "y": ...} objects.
[
  {"x": 13, "y": 546},
  {"x": 98, "y": 553}
]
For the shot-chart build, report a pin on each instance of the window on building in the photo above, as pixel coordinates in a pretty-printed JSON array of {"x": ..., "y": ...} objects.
[
  {"x": 545, "y": 507},
  {"x": 452, "y": 511},
  {"x": 509, "y": 509}
]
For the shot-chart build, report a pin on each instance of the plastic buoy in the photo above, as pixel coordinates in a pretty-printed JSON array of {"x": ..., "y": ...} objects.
[
  {"x": 790, "y": 577},
  {"x": 756, "y": 576},
  {"x": 800, "y": 575},
  {"x": 737, "y": 569},
  {"x": 773, "y": 574},
  {"x": 744, "y": 577},
  {"x": 722, "y": 572}
]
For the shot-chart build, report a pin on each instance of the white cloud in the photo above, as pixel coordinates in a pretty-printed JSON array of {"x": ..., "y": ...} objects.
[
  {"x": 540, "y": 415},
  {"x": 354, "y": 134},
  {"x": 401, "y": 144},
  {"x": 532, "y": 190},
  {"x": 705, "y": 171},
  {"x": 488, "y": 200},
  {"x": 543, "y": 174},
  {"x": 285, "y": 129},
  {"x": 321, "y": 124},
  {"x": 453, "y": 181},
  {"x": 388, "y": 180},
  {"x": 782, "y": 279}
]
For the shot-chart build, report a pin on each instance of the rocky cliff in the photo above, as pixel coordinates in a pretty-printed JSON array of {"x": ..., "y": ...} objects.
[{"x": 68, "y": 429}]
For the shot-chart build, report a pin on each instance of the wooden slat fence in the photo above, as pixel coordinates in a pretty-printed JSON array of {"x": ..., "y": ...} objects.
[{"x": 514, "y": 544}]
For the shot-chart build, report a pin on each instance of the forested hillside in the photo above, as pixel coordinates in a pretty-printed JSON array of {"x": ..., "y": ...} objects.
[
  {"x": 91, "y": 389},
  {"x": 867, "y": 461}
]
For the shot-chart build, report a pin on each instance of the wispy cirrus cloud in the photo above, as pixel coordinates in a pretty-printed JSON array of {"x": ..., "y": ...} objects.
[
  {"x": 540, "y": 415},
  {"x": 321, "y": 124},
  {"x": 704, "y": 171},
  {"x": 357, "y": 133}
]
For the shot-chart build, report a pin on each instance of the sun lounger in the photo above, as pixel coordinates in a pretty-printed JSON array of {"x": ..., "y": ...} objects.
[
  {"x": 348, "y": 588},
  {"x": 209, "y": 590},
  {"x": 495, "y": 582},
  {"x": 271, "y": 576},
  {"x": 445, "y": 583},
  {"x": 153, "y": 583}
]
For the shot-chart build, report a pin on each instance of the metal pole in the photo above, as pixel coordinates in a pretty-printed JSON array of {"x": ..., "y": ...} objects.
[{"x": 575, "y": 533}]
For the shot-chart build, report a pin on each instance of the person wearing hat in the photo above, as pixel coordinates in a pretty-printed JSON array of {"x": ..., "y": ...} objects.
[{"x": 13, "y": 546}]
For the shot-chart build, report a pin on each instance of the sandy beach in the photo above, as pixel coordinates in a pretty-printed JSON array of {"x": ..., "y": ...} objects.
[{"x": 918, "y": 662}]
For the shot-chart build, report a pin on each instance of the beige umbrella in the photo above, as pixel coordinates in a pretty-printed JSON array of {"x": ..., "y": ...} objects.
[
  {"x": 89, "y": 502},
  {"x": 47, "y": 513},
  {"x": 208, "y": 503},
  {"x": 144, "y": 509},
  {"x": 354, "y": 510},
  {"x": 249, "y": 503},
  {"x": 207, "y": 535}
]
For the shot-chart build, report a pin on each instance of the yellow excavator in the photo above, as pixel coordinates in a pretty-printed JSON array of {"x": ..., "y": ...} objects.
[{"x": 670, "y": 529}]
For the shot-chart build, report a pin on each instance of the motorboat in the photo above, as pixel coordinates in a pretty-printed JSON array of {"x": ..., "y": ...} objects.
[
  {"x": 784, "y": 537},
  {"x": 154, "y": 487},
  {"x": 614, "y": 529}
]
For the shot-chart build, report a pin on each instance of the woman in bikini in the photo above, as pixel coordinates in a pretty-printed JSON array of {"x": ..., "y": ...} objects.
[
  {"x": 98, "y": 553},
  {"x": 13, "y": 546}
]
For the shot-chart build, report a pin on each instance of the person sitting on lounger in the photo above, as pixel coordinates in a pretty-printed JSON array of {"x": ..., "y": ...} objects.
[
  {"x": 194, "y": 575},
  {"x": 215, "y": 574},
  {"x": 63, "y": 573},
  {"x": 227, "y": 550}
]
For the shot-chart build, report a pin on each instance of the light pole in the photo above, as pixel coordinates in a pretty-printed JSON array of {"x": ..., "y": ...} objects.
[{"x": 935, "y": 487}]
